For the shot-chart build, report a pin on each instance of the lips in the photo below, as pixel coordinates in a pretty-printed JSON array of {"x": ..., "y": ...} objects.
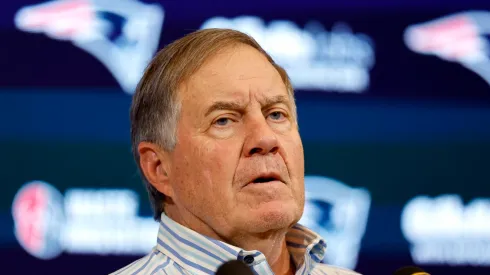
[{"x": 265, "y": 178}]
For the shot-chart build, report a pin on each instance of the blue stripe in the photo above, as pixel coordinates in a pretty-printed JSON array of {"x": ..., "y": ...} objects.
[
  {"x": 306, "y": 265},
  {"x": 190, "y": 254},
  {"x": 193, "y": 245},
  {"x": 179, "y": 268},
  {"x": 147, "y": 262},
  {"x": 315, "y": 258},
  {"x": 240, "y": 258},
  {"x": 130, "y": 265},
  {"x": 199, "y": 237},
  {"x": 220, "y": 244},
  {"x": 161, "y": 267},
  {"x": 187, "y": 262}
]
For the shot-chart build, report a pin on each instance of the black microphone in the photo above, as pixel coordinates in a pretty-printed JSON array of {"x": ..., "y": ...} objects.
[
  {"x": 234, "y": 267},
  {"x": 410, "y": 270}
]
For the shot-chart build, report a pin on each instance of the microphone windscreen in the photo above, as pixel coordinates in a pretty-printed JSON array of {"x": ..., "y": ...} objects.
[
  {"x": 410, "y": 270},
  {"x": 234, "y": 267}
]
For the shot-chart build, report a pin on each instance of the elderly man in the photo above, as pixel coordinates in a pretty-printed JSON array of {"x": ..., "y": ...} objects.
[{"x": 215, "y": 134}]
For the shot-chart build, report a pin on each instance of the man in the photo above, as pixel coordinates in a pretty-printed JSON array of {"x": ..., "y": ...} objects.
[{"x": 215, "y": 134}]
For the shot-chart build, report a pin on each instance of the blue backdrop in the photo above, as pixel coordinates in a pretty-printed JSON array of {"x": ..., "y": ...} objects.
[{"x": 394, "y": 111}]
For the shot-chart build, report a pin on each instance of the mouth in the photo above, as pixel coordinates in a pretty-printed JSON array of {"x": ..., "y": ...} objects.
[{"x": 266, "y": 178}]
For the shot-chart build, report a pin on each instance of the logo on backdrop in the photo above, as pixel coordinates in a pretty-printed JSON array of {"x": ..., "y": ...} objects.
[
  {"x": 457, "y": 38},
  {"x": 122, "y": 34},
  {"x": 338, "y": 213},
  {"x": 38, "y": 215},
  {"x": 338, "y": 60},
  {"x": 83, "y": 221},
  {"x": 443, "y": 230}
]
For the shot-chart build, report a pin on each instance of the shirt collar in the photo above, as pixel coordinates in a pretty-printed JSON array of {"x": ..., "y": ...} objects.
[{"x": 202, "y": 254}]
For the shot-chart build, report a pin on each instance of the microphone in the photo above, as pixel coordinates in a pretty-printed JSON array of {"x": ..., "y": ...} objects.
[
  {"x": 410, "y": 270},
  {"x": 234, "y": 267}
]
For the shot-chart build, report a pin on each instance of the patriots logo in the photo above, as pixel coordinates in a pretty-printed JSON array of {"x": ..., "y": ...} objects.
[
  {"x": 338, "y": 213},
  {"x": 38, "y": 216},
  {"x": 122, "y": 34},
  {"x": 458, "y": 38}
]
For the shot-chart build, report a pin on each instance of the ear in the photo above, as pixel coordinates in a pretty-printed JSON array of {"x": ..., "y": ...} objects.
[{"x": 154, "y": 162}]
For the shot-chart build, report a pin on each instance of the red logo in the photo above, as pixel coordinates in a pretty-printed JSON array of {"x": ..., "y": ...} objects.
[
  {"x": 458, "y": 38},
  {"x": 37, "y": 211}
]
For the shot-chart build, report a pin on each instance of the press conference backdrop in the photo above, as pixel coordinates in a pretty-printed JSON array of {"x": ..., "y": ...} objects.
[{"x": 394, "y": 110}]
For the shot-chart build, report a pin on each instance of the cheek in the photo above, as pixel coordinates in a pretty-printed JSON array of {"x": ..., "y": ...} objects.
[
  {"x": 300, "y": 159},
  {"x": 295, "y": 162},
  {"x": 295, "y": 155},
  {"x": 209, "y": 168},
  {"x": 220, "y": 161}
]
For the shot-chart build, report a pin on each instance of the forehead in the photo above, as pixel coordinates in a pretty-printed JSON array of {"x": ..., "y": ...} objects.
[{"x": 234, "y": 72}]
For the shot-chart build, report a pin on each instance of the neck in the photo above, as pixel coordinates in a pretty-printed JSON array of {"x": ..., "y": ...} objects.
[{"x": 272, "y": 243}]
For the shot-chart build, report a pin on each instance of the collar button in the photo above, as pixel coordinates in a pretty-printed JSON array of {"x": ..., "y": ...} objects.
[{"x": 248, "y": 259}]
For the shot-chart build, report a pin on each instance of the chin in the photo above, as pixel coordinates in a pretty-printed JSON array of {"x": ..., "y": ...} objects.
[{"x": 273, "y": 216}]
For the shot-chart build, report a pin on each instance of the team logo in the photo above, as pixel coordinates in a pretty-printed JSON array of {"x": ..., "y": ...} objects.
[
  {"x": 122, "y": 34},
  {"x": 38, "y": 217},
  {"x": 338, "y": 213},
  {"x": 80, "y": 221},
  {"x": 457, "y": 38}
]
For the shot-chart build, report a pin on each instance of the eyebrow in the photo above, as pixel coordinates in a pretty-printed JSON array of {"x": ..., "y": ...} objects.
[
  {"x": 229, "y": 105},
  {"x": 224, "y": 105},
  {"x": 278, "y": 99}
]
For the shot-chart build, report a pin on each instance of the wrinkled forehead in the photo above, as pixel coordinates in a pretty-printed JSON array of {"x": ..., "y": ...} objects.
[{"x": 234, "y": 73}]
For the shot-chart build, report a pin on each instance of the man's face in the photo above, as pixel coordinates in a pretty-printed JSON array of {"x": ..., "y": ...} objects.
[{"x": 238, "y": 165}]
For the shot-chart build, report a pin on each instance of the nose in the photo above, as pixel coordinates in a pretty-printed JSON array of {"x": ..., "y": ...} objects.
[{"x": 260, "y": 140}]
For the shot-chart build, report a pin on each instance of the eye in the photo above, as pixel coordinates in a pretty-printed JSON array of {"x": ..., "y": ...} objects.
[
  {"x": 277, "y": 115},
  {"x": 222, "y": 121}
]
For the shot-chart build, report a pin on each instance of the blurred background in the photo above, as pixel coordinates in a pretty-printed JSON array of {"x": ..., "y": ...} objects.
[{"x": 394, "y": 110}]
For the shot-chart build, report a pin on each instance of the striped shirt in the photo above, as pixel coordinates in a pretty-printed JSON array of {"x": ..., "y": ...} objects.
[{"x": 180, "y": 250}]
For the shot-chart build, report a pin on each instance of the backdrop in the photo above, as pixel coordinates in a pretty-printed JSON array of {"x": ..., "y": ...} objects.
[{"x": 394, "y": 111}]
